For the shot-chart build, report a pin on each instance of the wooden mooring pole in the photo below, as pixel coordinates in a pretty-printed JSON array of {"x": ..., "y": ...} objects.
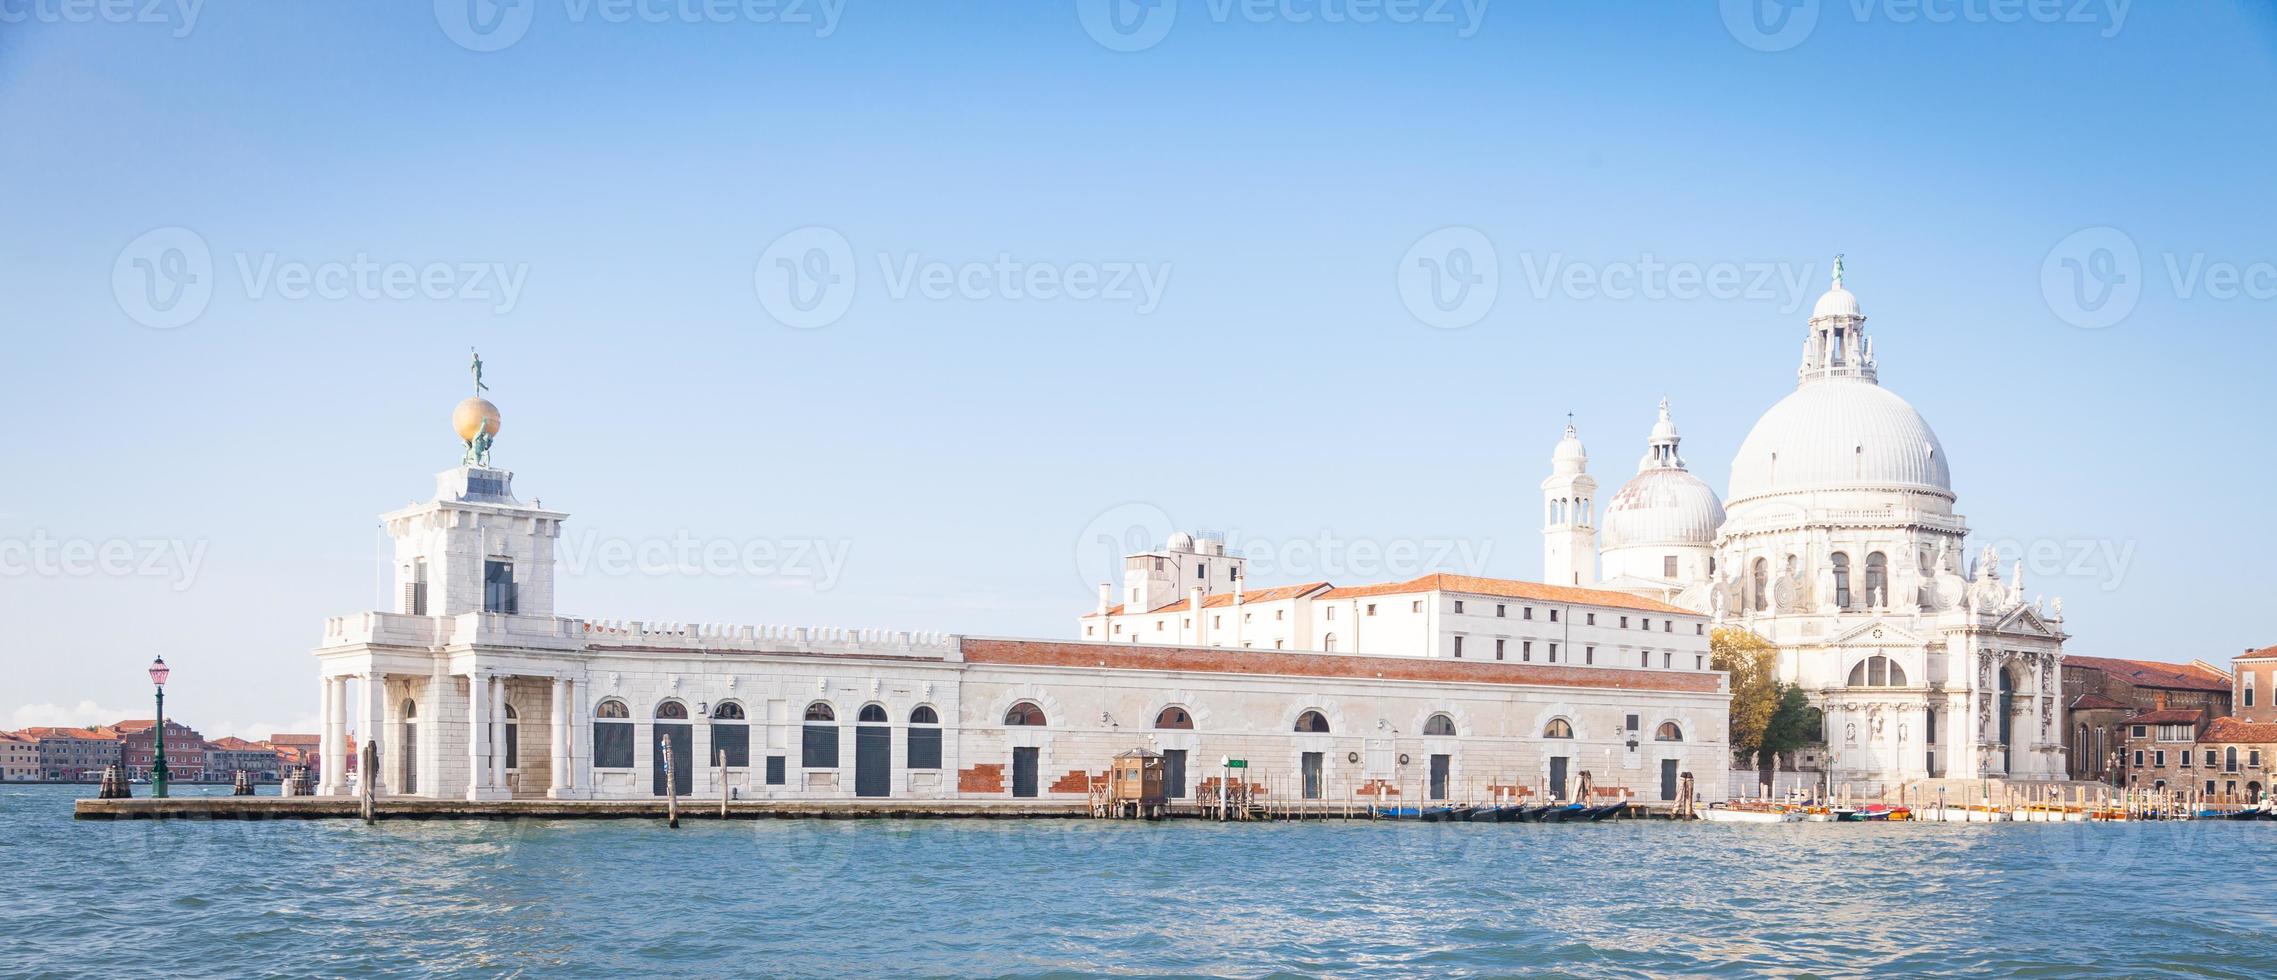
[
  {"x": 722, "y": 754},
  {"x": 671, "y": 789}
]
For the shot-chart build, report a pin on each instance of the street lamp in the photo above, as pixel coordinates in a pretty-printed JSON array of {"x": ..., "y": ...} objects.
[{"x": 158, "y": 674}]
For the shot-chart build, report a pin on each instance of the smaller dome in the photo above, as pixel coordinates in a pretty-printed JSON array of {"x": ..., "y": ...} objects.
[
  {"x": 1837, "y": 302},
  {"x": 475, "y": 415},
  {"x": 1181, "y": 541},
  {"x": 1569, "y": 456},
  {"x": 1662, "y": 507}
]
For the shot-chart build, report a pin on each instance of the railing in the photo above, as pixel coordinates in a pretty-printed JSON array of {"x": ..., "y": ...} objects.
[{"x": 503, "y": 629}]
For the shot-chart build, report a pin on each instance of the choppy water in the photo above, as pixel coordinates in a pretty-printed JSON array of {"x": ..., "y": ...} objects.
[{"x": 572, "y": 898}]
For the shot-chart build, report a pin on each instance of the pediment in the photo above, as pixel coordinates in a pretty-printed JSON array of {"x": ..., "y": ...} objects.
[
  {"x": 2027, "y": 620},
  {"x": 1879, "y": 633}
]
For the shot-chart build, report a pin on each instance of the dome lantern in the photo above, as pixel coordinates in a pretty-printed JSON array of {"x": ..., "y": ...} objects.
[{"x": 1837, "y": 346}]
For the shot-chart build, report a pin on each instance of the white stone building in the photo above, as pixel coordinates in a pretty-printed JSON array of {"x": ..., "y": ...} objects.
[
  {"x": 1445, "y": 687},
  {"x": 1840, "y": 544}
]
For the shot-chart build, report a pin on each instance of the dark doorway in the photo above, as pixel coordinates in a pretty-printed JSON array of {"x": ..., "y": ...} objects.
[
  {"x": 873, "y": 760},
  {"x": 1023, "y": 772},
  {"x": 1174, "y": 772},
  {"x": 683, "y": 739},
  {"x": 1668, "y": 779},
  {"x": 2007, "y": 719},
  {"x": 1557, "y": 777},
  {"x": 1311, "y": 766},
  {"x": 410, "y": 745},
  {"x": 1439, "y": 767}
]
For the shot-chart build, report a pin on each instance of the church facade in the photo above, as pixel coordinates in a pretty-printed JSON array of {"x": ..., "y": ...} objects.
[{"x": 1838, "y": 541}]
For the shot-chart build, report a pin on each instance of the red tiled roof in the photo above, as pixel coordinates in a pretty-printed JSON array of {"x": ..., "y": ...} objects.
[
  {"x": 2151, "y": 673},
  {"x": 282, "y": 739},
  {"x": 2096, "y": 702},
  {"x": 1227, "y": 660},
  {"x": 2168, "y": 716},
  {"x": 1274, "y": 594},
  {"x": 105, "y": 734},
  {"x": 1510, "y": 589},
  {"x": 2264, "y": 653},
  {"x": 2227, "y": 729},
  {"x": 232, "y": 743}
]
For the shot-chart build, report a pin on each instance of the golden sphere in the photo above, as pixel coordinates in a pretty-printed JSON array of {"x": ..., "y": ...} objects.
[{"x": 474, "y": 415}]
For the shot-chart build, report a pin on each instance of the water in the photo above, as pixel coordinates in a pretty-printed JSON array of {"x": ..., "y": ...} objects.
[{"x": 774, "y": 897}]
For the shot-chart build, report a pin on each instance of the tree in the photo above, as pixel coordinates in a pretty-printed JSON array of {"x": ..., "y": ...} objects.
[
  {"x": 1794, "y": 724},
  {"x": 1752, "y": 662}
]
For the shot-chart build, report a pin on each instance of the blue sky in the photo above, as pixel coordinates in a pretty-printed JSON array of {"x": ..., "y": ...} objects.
[{"x": 956, "y": 450}]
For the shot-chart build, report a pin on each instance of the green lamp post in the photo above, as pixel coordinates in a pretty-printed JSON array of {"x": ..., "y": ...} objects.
[{"x": 158, "y": 673}]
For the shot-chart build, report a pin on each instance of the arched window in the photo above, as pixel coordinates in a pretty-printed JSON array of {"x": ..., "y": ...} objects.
[
  {"x": 671, "y": 711},
  {"x": 1558, "y": 728},
  {"x": 731, "y": 735},
  {"x": 1877, "y": 671},
  {"x": 818, "y": 739},
  {"x": 924, "y": 738},
  {"x": 1174, "y": 717},
  {"x": 1841, "y": 580},
  {"x": 1024, "y": 713},
  {"x": 872, "y": 713},
  {"x": 1762, "y": 583},
  {"x": 2229, "y": 759},
  {"x": 1877, "y": 579},
  {"x": 612, "y": 735},
  {"x": 1668, "y": 732},
  {"x": 1328, "y": 643},
  {"x": 1313, "y": 722},
  {"x": 1439, "y": 725},
  {"x": 513, "y": 739}
]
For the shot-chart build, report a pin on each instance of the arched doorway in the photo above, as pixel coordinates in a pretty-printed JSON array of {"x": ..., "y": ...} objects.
[
  {"x": 873, "y": 752},
  {"x": 410, "y": 743},
  {"x": 2005, "y": 706},
  {"x": 677, "y": 735}
]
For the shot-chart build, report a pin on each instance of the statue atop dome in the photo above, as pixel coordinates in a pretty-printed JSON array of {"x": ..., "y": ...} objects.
[{"x": 476, "y": 420}]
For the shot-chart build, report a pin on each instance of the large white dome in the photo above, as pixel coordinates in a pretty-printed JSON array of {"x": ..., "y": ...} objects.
[
  {"x": 1662, "y": 507},
  {"x": 1839, "y": 433}
]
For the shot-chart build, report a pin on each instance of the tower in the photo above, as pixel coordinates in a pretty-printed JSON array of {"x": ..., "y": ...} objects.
[
  {"x": 1569, "y": 531},
  {"x": 474, "y": 547}
]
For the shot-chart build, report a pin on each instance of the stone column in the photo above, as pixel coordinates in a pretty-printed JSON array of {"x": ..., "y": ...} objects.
[
  {"x": 375, "y": 724},
  {"x": 478, "y": 735},
  {"x": 557, "y": 742},
  {"x": 498, "y": 740},
  {"x": 323, "y": 736},
  {"x": 335, "y": 763}
]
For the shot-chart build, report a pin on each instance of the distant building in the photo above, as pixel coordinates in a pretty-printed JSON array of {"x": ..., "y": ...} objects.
[
  {"x": 2256, "y": 680},
  {"x": 2237, "y": 759},
  {"x": 19, "y": 758},
  {"x": 298, "y": 752},
  {"x": 185, "y": 750},
  {"x": 226, "y": 757},
  {"x": 2107, "y": 698},
  {"x": 74, "y": 753}
]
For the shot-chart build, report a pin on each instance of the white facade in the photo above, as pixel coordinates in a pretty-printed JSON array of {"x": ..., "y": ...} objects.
[
  {"x": 473, "y": 688},
  {"x": 1841, "y": 546}
]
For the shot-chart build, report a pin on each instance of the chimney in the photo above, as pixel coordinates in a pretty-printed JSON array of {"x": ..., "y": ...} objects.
[
  {"x": 1194, "y": 606},
  {"x": 2159, "y": 698},
  {"x": 1106, "y": 591}
]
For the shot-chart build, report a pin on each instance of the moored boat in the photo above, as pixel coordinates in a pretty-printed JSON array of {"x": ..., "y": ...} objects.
[{"x": 1750, "y": 813}]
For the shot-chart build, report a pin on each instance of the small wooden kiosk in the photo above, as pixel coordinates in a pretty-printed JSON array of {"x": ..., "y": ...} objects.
[{"x": 1135, "y": 786}]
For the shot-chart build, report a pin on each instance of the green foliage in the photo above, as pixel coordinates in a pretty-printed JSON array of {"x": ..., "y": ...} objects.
[
  {"x": 1752, "y": 662},
  {"x": 1794, "y": 723}
]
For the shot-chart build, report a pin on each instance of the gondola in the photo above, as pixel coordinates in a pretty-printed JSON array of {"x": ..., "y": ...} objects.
[
  {"x": 1562, "y": 812},
  {"x": 1493, "y": 814},
  {"x": 1607, "y": 811}
]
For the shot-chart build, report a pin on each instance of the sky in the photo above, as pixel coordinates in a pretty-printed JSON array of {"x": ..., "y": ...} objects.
[{"x": 908, "y": 315}]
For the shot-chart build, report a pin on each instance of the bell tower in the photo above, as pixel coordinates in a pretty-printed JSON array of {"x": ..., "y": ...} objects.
[
  {"x": 474, "y": 547},
  {"x": 1569, "y": 528}
]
